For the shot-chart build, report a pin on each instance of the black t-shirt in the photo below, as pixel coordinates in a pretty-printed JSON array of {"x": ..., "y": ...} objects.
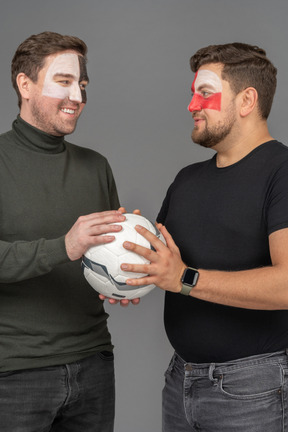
[{"x": 221, "y": 218}]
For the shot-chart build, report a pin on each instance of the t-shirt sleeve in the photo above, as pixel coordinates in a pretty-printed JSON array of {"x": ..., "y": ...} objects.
[
  {"x": 277, "y": 200},
  {"x": 161, "y": 218},
  {"x": 162, "y": 215}
]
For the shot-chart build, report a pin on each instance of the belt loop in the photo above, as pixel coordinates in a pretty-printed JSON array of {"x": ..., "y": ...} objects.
[
  {"x": 172, "y": 363},
  {"x": 210, "y": 374}
]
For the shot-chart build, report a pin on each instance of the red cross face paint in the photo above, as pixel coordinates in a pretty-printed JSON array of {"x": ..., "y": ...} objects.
[
  {"x": 206, "y": 89},
  {"x": 66, "y": 77}
]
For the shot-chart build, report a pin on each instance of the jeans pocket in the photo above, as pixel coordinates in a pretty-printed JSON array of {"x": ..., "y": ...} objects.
[
  {"x": 170, "y": 367},
  {"x": 6, "y": 374},
  {"x": 254, "y": 382},
  {"x": 106, "y": 355}
]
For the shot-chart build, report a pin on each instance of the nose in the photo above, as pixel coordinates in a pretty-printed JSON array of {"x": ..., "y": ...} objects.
[
  {"x": 195, "y": 104},
  {"x": 75, "y": 93}
]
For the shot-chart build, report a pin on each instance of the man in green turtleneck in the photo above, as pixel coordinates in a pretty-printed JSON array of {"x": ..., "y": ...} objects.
[{"x": 56, "y": 359}]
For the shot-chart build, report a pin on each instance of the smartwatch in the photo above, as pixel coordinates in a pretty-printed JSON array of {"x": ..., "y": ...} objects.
[{"x": 189, "y": 280}]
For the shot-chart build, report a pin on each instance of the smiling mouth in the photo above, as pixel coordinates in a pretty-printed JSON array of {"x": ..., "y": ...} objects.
[{"x": 68, "y": 110}]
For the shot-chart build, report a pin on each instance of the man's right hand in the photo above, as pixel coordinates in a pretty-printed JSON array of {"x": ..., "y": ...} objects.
[{"x": 88, "y": 231}]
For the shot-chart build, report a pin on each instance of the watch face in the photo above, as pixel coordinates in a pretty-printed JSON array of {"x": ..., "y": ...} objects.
[{"x": 190, "y": 277}]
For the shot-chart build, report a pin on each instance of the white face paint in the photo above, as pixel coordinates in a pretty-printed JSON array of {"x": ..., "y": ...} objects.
[
  {"x": 63, "y": 67},
  {"x": 209, "y": 79},
  {"x": 206, "y": 89}
]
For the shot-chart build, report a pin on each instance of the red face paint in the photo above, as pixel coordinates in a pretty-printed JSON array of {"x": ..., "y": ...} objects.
[
  {"x": 198, "y": 102},
  {"x": 193, "y": 83},
  {"x": 206, "y": 81}
]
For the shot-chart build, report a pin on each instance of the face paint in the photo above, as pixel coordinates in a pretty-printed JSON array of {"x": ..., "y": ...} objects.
[
  {"x": 64, "y": 76},
  {"x": 206, "y": 88},
  {"x": 83, "y": 76}
]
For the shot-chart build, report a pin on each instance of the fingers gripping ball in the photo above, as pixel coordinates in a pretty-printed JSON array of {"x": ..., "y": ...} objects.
[{"x": 101, "y": 264}]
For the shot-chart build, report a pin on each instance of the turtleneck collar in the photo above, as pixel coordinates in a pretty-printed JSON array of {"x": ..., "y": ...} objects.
[{"x": 35, "y": 139}]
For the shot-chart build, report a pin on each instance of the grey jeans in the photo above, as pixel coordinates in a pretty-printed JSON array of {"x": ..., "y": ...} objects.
[
  {"x": 246, "y": 395},
  {"x": 70, "y": 398}
]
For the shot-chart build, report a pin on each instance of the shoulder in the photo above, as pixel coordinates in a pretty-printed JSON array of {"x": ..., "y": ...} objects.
[
  {"x": 7, "y": 147},
  {"x": 89, "y": 162},
  {"x": 6, "y": 137},
  {"x": 84, "y": 153},
  {"x": 274, "y": 152},
  {"x": 194, "y": 169},
  {"x": 274, "y": 160},
  {"x": 190, "y": 175}
]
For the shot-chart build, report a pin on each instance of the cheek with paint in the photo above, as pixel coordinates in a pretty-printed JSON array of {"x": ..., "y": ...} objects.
[
  {"x": 70, "y": 67},
  {"x": 211, "y": 83}
]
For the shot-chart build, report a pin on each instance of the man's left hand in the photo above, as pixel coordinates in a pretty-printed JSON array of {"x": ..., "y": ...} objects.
[
  {"x": 124, "y": 302},
  {"x": 166, "y": 266}
]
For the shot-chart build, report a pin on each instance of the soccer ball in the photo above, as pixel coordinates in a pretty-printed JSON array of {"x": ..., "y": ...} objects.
[{"x": 101, "y": 264}]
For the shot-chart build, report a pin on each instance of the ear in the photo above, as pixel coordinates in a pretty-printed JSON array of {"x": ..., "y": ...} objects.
[
  {"x": 24, "y": 85},
  {"x": 248, "y": 102}
]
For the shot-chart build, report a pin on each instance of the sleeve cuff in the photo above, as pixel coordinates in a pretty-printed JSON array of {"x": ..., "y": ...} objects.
[{"x": 56, "y": 251}]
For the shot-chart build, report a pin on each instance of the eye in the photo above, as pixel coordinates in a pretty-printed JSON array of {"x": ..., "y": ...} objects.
[
  {"x": 83, "y": 86},
  {"x": 206, "y": 94},
  {"x": 63, "y": 82}
]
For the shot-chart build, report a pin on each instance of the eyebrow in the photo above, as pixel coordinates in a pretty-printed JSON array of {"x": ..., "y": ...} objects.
[
  {"x": 64, "y": 75},
  {"x": 208, "y": 86}
]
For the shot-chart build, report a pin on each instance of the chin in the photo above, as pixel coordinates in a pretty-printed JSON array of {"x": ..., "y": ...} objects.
[
  {"x": 202, "y": 142},
  {"x": 66, "y": 129}
]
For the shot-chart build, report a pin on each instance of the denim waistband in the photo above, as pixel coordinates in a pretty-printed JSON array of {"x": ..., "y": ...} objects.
[{"x": 202, "y": 369}]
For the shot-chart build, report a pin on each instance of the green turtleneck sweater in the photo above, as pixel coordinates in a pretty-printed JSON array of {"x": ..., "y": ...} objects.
[{"x": 49, "y": 314}]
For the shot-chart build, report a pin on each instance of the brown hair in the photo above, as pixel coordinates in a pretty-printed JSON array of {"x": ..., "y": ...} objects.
[
  {"x": 29, "y": 57},
  {"x": 243, "y": 66}
]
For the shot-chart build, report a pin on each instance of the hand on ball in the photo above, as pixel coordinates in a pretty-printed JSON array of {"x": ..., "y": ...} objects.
[{"x": 166, "y": 266}]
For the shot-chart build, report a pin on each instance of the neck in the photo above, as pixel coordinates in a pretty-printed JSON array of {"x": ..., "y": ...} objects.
[
  {"x": 236, "y": 148},
  {"x": 34, "y": 139}
]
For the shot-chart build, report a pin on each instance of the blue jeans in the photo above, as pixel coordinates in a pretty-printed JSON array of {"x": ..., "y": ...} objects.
[
  {"x": 246, "y": 395},
  {"x": 78, "y": 397}
]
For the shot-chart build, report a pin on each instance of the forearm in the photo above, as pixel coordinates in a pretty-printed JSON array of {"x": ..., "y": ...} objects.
[
  {"x": 23, "y": 260},
  {"x": 263, "y": 288}
]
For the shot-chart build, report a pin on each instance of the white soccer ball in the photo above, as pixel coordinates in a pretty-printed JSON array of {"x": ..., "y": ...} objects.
[{"x": 101, "y": 264}]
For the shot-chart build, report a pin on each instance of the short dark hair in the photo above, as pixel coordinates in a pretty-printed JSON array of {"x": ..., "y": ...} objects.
[
  {"x": 243, "y": 66},
  {"x": 29, "y": 57}
]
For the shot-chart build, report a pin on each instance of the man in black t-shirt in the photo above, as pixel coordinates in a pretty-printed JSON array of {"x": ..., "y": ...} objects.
[{"x": 226, "y": 281}]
